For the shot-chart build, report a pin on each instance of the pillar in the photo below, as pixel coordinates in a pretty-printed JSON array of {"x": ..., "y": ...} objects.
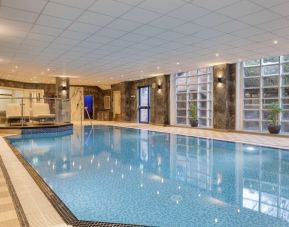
[{"x": 224, "y": 96}]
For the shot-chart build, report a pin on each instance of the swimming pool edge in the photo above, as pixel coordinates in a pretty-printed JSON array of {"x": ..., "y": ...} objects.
[{"x": 67, "y": 216}]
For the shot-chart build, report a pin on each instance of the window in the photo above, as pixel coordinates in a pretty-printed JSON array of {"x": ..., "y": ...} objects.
[
  {"x": 265, "y": 81},
  {"x": 194, "y": 87}
]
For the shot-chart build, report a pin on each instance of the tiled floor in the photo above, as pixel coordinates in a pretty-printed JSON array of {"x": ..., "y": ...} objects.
[
  {"x": 8, "y": 216},
  {"x": 38, "y": 209},
  {"x": 250, "y": 138}
]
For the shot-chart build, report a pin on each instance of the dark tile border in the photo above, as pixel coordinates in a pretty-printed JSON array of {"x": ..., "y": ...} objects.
[
  {"x": 17, "y": 205},
  {"x": 67, "y": 216}
]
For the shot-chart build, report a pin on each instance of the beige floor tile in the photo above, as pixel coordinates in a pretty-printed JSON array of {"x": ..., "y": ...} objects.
[
  {"x": 8, "y": 215},
  {"x": 10, "y": 223}
]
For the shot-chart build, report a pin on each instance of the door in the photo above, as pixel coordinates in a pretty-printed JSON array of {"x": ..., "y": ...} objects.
[
  {"x": 144, "y": 104},
  {"x": 88, "y": 105}
]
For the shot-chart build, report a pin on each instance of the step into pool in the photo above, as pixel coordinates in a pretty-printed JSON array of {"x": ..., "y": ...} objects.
[{"x": 133, "y": 176}]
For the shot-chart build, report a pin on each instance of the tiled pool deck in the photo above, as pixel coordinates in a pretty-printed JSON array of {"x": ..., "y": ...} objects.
[{"x": 40, "y": 212}]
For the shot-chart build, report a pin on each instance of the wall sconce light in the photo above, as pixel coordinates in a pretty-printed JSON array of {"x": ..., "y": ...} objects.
[
  {"x": 220, "y": 80},
  {"x": 159, "y": 87},
  {"x": 63, "y": 88}
]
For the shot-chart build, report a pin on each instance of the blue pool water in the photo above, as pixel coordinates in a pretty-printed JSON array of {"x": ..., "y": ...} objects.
[{"x": 123, "y": 175}]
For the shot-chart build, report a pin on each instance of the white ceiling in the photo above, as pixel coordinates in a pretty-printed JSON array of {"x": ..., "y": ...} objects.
[{"x": 107, "y": 41}]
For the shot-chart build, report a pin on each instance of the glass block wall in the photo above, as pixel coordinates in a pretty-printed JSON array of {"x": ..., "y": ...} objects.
[
  {"x": 194, "y": 87},
  {"x": 265, "y": 81}
]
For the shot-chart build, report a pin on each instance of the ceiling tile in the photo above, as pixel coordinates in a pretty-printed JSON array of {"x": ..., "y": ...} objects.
[
  {"x": 53, "y": 22},
  {"x": 18, "y": 15},
  {"x": 281, "y": 9},
  {"x": 189, "y": 12},
  {"x": 240, "y": 9},
  {"x": 82, "y": 4},
  {"x": 95, "y": 18},
  {"x": 125, "y": 25},
  {"x": 74, "y": 35},
  {"x": 110, "y": 7},
  {"x": 188, "y": 28},
  {"x": 159, "y": 6},
  {"x": 61, "y": 11},
  {"x": 268, "y": 3},
  {"x": 259, "y": 17},
  {"x": 29, "y": 5},
  {"x": 211, "y": 20},
  {"x": 148, "y": 30},
  {"x": 46, "y": 30},
  {"x": 213, "y": 4},
  {"x": 130, "y": 2},
  {"x": 113, "y": 33},
  {"x": 141, "y": 15},
  {"x": 84, "y": 28},
  {"x": 275, "y": 24},
  {"x": 231, "y": 26},
  {"x": 166, "y": 22}
]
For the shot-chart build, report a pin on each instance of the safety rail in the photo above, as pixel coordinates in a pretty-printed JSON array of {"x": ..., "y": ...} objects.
[{"x": 34, "y": 110}]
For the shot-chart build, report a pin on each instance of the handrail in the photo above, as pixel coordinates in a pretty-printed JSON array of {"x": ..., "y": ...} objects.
[
  {"x": 38, "y": 98},
  {"x": 88, "y": 115}
]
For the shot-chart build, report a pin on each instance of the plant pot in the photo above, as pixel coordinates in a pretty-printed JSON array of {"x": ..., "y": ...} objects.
[
  {"x": 274, "y": 129},
  {"x": 194, "y": 123}
]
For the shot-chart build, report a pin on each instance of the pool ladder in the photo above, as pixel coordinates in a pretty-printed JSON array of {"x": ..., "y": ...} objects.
[{"x": 85, "y": 109}]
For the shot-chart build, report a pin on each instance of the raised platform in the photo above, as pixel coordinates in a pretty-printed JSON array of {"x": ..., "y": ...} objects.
[{"x": 31, "y": 129}]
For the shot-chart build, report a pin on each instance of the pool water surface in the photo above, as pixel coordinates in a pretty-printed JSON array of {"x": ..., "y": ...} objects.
[{"x": 133, "y": 176}]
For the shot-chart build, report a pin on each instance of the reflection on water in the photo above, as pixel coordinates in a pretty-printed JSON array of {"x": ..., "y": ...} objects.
[{"x": 184, "y": 170}]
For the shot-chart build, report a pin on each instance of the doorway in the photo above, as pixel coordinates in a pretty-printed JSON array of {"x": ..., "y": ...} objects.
[
  {"x": 144, "y": 104},
  {"x": 88, "y": 104}
]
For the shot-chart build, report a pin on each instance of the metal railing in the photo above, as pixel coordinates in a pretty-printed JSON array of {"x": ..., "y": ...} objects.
[{"x": 34, "y": 110}]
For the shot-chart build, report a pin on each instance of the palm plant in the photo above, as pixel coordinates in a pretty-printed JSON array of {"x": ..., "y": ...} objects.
[
  {"x": 194, "y": 112},
  {"x": 275, "y": 111}
]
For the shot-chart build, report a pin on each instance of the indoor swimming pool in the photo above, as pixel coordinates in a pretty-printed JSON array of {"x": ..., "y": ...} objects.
[{"x": 133, "y": 176}]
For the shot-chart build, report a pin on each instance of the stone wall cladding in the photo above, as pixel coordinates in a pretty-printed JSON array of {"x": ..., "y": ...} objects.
[
  {"x": 159, "y": 101},
  {"x": 224, "y": 99}
]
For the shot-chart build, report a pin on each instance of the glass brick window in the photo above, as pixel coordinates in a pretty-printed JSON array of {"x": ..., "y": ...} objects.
[
  {"x": 265, "y": 81},
  {"x": 194, "y": 87}
]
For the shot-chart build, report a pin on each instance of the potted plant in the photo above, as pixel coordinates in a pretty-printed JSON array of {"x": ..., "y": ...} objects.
[
  {"x": 274, "y": 127},
  {"x": 194, "y": 115}
]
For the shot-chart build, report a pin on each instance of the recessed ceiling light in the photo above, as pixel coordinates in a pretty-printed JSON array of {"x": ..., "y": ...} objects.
[
  {"x": 12, "y": 70},
  {"x": 217, "y": 54},
  {"x": 121, "y": 76},
  {"x": 16, "y": 66},
  {"x": 141, "y": 71},
  {"x": 158, "y": 68},
  {"x": 240, "y": 59},
  {"x": 275, "y": 41},
  {"x": 42, "y": 73},
  {"x": 178, "y": 63},
  {"x": 48, "y": 69}
]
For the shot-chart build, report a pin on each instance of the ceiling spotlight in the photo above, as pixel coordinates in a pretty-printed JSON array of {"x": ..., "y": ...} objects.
[
  {"x": 12, "y": 70},
  {"x": 217, "y": 54},
  {"x": 42, "y": 73},
  {"x": 121, "y": 76},
  {"x": 158, "y": 68},
  {"x": 48, "y": 69},
  {"x": 16, "y": 66},
  {"x": 141, "y": 71},
  {"x": 275, "y": 42},
  {"x": 178, "y": 63},
  {"x": 240, "y": 59}
]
